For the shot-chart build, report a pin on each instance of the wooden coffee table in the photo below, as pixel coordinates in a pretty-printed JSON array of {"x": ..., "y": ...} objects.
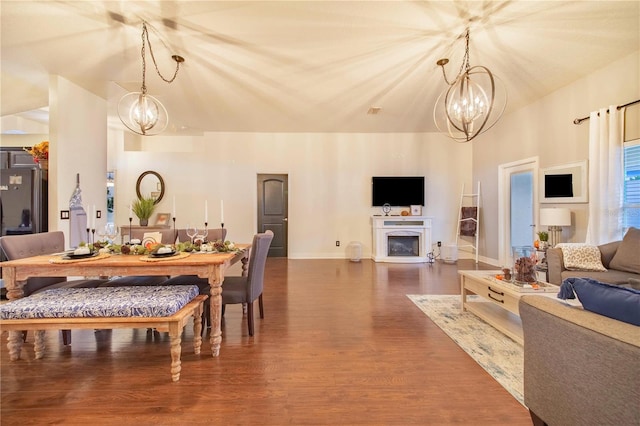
[{"x": 502, "y": 310}]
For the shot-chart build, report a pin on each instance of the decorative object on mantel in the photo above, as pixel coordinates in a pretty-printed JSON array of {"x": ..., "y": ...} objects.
[
  {"x": 473, "y": 102},
  {"x": 143, "y": 209},
  {"x": 141, "y": 113},
  {"x": 40, "y": 154}
]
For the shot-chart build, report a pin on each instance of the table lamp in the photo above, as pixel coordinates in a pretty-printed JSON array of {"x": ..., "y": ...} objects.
[{"x": 555, "y": 219}]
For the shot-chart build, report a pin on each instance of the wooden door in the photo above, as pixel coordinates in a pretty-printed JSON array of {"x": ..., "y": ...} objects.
[{"x": 273, "y": 192}]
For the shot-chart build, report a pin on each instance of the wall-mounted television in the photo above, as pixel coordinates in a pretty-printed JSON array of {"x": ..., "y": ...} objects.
[
  {"x": 558, "y": 186},
  {"x": 397, "y": 190}
]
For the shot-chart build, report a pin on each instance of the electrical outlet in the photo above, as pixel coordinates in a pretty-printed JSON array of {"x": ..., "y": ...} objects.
[
  {"x": 64, "y": 214},
  {"x": 337, "y": 243},
  {"x": 439, "y": 243}
]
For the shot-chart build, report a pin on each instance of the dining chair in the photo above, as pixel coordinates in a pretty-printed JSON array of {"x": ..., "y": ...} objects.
[
  {"x": 202, "y": 283},
  {"x": 167, "y": 236},
  {"x": 247, "y": 289},
  {"x": 27, "y": 245},
  {"x": 214, "y": 234}
]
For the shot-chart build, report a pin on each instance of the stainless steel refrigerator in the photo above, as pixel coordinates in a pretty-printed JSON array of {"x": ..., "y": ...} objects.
[{"x": 23, "y": 193}]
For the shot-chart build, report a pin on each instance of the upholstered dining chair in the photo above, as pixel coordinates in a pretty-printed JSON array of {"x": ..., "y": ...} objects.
[
  {"x": 202, "y": 283},
  {"x": 247, "y": 289},
  {"x": 214, "y": 234},
  {"x": 167, "y": 236},
  {"x": 28, "y": 245}
]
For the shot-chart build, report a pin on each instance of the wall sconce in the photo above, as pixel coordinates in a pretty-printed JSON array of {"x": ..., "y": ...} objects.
[
  {"x": 142, "y": 113},
  {"x": 473, "y": 102},
  {"x": 555, "y": 219}
]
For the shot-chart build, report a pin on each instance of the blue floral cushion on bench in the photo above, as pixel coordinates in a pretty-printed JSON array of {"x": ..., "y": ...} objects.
[{"x": 139, "y": 301}]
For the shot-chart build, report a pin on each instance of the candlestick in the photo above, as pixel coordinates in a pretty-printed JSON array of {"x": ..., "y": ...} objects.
[
  {"x": 206, "y": 232},
  {"x": 130, "y": 220},
  {"x": 88, "y": 239},
  {"x": 93, "y": 235},
  {"x": 175, "y": 233},
  {"x": 221, "y": 211}
]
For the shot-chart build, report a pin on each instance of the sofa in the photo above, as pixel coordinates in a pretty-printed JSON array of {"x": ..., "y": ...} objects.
[
  {"x": 619, "y": 262},
  {"x": 580, "y": 367}
]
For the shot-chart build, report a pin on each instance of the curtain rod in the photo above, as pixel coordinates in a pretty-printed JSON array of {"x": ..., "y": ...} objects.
[{"x": 580, "y": 120}]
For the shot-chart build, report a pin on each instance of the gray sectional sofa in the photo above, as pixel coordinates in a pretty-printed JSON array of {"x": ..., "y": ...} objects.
[
  {"x": 580, "y": 368},
  {"x": 621, "y": 258}
]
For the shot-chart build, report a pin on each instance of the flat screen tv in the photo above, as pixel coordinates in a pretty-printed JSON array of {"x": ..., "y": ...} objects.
[
  {"x": 397, "y": 190},
  {"x": 558, "y": 186}
]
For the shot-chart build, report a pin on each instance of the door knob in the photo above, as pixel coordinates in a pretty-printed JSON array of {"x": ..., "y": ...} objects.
[{"x": 285, "y": 219}]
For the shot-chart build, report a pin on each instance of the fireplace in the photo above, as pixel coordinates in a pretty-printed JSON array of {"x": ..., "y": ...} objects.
[{"x": 401, "y": 239}]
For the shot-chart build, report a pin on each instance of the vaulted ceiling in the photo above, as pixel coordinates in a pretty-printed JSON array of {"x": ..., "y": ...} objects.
[{"x": 305, "y": 66}]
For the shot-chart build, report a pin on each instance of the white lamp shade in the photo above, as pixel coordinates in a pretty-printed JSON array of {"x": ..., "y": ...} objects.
[{"x": 555, "y": 217}]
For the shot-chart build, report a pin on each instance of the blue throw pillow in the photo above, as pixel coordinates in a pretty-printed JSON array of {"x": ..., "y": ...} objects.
[{"x": 612, "y": 301}]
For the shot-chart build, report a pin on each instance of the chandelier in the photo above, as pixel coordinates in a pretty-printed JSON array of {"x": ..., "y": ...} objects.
[
  {"x": 142, "y": 113},
  {"x": 473, "y": 102}
]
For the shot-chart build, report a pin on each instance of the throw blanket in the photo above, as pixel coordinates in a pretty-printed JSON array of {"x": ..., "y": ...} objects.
[{"x": 467, "y": 225}]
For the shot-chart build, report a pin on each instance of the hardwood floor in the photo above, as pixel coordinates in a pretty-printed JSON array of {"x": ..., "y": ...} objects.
[{"x": 340, "y": 344}]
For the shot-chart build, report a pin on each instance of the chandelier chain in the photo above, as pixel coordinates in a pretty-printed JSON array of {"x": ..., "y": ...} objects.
[{"x": 145, "y": 34}]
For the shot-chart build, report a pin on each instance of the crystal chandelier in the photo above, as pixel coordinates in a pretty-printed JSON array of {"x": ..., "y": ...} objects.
[
  {"x": 473, "y": 102},
  {"x": 142, "y": 113}
]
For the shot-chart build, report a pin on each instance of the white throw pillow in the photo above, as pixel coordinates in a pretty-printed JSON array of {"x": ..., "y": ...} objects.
[{"x": 581, "y": 257}]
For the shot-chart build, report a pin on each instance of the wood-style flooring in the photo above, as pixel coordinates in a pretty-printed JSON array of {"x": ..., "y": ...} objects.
[{"x": 340, "y": 344}]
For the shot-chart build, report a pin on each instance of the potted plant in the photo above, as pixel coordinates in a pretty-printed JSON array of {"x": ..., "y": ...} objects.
[
  {"x": 143, "y": 209},
  {"x": 544, "y": 239}
]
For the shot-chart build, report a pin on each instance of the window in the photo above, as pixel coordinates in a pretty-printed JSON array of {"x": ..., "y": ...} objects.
[{"x": 631, "y": 191}]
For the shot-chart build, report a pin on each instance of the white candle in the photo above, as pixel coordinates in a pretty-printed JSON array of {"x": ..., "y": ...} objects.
[
  {"x": 221, "y": 211},
  {"x": 174, "y": 206},
  {"x": 206, "y": 212},
  {"x": 93, "y": 216},
  {"x": 130, "y": 211}
]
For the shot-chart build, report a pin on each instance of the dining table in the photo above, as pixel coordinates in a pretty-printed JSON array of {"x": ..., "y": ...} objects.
[{"x": 209, "y": 265}]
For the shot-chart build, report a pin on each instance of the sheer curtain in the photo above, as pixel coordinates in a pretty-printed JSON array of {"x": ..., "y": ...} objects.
[{"x": 606, "y": 134}]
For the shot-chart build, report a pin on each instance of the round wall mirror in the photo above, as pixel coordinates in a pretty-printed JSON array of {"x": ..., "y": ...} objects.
[{"x": 150, "y": 184}]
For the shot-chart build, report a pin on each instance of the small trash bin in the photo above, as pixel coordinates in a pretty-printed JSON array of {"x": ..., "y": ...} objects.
[
  {"x": 449, "y": 253},
  {"x": 354, "y": 251}
]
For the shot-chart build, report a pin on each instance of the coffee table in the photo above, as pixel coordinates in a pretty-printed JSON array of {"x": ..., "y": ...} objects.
[{"x": 499, "y": 305}]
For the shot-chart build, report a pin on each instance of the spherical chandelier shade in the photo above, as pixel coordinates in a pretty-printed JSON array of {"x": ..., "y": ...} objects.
[
  {"x": 142, "y": 113},
  {"x": 472, "y": 103}
]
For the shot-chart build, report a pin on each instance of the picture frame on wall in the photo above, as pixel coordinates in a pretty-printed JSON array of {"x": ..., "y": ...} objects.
[
  {"x": 416, "y": 210},
  {"x": 162, "y": 219}
]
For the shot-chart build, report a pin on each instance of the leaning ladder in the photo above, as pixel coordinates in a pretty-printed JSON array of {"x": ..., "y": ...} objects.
[{"x": 469, "y": 219}]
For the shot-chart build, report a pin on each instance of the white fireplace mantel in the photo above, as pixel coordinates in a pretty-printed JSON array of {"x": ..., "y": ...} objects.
[{"x": 404, "y": 228}]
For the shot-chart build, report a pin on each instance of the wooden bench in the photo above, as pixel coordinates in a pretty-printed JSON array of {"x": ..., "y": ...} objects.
[{"x": 165, "y": 308}]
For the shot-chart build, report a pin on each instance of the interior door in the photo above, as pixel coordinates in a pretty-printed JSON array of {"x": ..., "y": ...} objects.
[
  {"x": 273, "y": 193},
  {"x": 518, "y": 206}
]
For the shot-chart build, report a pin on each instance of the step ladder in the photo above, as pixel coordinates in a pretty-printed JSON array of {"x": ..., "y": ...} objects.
[{"x": 469, "y": 220}]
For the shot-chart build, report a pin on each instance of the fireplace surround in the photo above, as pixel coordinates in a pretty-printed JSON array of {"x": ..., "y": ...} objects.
[{"x": 401, "y": 239}]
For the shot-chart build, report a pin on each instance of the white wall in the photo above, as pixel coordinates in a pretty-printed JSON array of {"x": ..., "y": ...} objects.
[
  {"x": 545, "y": 129},
  {"x": 329, "y": 181},
  {"x": 78, "y": 144}
]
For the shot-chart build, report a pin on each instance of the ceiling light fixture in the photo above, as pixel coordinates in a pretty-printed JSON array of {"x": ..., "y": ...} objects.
[
  {"x": 473, "y": 102},
  {"x": 142, "y": 113}
]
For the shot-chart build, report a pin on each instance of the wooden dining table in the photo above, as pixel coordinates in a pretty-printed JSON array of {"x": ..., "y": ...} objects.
[{"x": 211, "y": 266}]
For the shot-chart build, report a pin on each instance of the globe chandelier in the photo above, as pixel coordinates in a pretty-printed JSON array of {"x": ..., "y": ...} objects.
[
  {"x": 473, "y": 102},
  {"x": 140, "y": 112}
]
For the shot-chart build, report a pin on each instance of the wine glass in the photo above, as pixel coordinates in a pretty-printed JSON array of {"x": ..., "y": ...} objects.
[
  {"x": 102, "y": 233},
  {"x": 112, "y": 232},
  {"x": 192, "y": 231}
]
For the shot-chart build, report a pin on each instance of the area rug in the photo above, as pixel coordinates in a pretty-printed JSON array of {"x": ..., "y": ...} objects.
[{"x": 496, "y": 353}]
